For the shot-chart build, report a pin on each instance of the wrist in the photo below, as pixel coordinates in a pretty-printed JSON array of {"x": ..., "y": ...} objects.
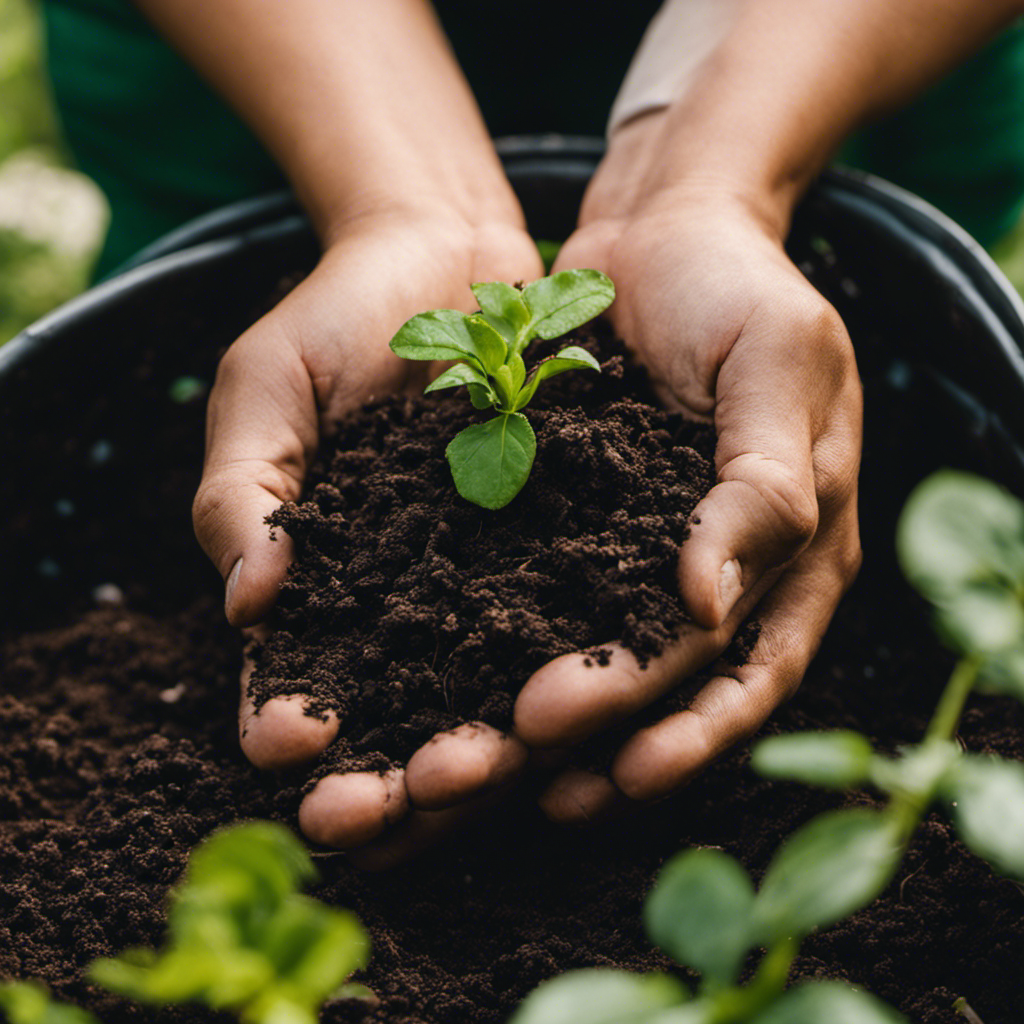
[{"x": 652, "y": 169}]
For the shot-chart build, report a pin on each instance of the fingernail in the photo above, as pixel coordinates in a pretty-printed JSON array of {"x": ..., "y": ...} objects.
[
  {"x": 730, "y": 585},
  {"x": 229, "y": 586}
]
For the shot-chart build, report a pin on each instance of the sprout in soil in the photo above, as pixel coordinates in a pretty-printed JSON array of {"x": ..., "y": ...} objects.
[
  {"x": 960, "y": 541},
  {"x": 491, "y": 461}
]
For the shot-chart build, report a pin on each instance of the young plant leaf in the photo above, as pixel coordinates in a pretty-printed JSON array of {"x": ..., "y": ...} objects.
[
  {"x": 987, "y": 798},
  {"x": 457, "y": 375},
  {"x": 483, "y": 396},
  {"x": 599, "y": 996},
  {"x": 828, "y": 869},
  {"x": 571, "y": 358},
  {"x": 816, "y": 1002},
  {"x": 491, "y": 461},
  {"x": 491, "y": 348},
  {"x": 439, "y": 334},
  {"x": 503, "y": 307},
  {"x": 565, "y": 300},
  {"x": 699, "y": 913},
  {"x": 836, "y": 760}
]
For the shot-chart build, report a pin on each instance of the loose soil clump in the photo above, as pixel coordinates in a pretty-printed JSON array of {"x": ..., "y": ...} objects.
[{"x": 410, "y": 610}]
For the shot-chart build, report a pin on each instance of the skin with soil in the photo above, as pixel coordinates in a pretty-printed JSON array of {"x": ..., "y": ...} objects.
[
  {"x": 410, "y": 610},
  {"x": 118, "y": 752}
]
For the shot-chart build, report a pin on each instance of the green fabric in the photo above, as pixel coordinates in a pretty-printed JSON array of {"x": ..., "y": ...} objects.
[
  {"x": 164, "y": 149},
  {"x": 144, "y": 126},
  {"x": 961, "y": 145}
]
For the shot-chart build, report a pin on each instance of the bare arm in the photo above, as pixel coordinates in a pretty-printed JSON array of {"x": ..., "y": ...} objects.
[{"x": 362, "y": 104}]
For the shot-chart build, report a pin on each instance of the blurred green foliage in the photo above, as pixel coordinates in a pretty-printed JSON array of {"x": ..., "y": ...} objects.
[{"x": 42, "y": 263}]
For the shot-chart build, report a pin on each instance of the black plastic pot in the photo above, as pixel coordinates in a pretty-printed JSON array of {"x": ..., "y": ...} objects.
[{"x": 86, "y": 392}]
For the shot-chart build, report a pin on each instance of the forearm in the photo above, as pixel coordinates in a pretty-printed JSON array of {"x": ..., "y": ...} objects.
[
  {"x": 362, "y": 104},
  {"x": 780, "y": 86}
]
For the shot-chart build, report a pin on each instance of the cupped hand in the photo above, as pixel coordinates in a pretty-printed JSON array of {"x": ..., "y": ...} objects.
[
  {"x": 731, "y": 332},
  {"x": 323, "y": 350}
]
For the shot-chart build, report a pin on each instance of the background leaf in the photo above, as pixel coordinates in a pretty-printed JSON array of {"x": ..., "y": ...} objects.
[
  {"x": 836, "y": 759},
  {"x": 503, "y": 307},
  {"x": 25, "y": 1002},
  {"x": 825, "y": 871},
  {"x": 491, "y": 461},
  {"x": 599, "y": 997},
  {"x": 699, "y": 913},
  {"x": 987, "y": 798},
  {"x": 960, "y": 541},
  {"x": 828, "y": 1002},
  {"x": 918, "y": 771},
  {"x": 566, "y": 300}
]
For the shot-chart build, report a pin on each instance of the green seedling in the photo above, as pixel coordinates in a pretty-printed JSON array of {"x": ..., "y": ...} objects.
[
  {"x": 491, "y": 461},
  {"x": 960, "y": 541},
  {"x": 241, "y": 937}
]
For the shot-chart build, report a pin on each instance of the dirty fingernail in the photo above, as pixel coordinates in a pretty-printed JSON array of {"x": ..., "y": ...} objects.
[
  {"x": 229, "y": 585},
  {"x": 730, "y": 585}
]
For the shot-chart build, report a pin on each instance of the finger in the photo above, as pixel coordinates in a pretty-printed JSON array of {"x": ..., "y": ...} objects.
[
  {"x": 418, "y": 832},
  {"x": 774, "y": 397},
  {"x": 734, "y": 704},
  {"x": 578, "y": 797},
  {"x": 457, "y": 765},
  {"x": 261, "y": 431},
  {"x": 281, "y": 734},
  {"x": 350, "y": 810},
  {"x": 578, "y": 695}
]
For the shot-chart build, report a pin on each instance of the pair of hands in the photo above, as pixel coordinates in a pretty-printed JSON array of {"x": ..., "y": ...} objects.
[{"x": 730, "y": 331}]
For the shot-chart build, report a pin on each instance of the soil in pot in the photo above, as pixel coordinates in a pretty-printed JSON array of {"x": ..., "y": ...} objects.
[{"x": 118, "y": 753}]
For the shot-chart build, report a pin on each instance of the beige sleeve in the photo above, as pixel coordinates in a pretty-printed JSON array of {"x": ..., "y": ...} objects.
[{"x": 678, "y": 40}]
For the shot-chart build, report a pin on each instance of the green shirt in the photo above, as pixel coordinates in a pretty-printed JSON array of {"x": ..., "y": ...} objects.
[{"x": 165, "y": 149}]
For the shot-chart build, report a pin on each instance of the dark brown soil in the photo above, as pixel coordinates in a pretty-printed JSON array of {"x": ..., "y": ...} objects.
[
  {"x": 118, "y": 753},
  {"x": 410, "y": 610}
]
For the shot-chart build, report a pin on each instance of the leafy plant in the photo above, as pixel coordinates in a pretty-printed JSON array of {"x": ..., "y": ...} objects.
[
  {"x": 960, "y": 541},
  {"x": 242, "y": 938},
  {"x": 491, "y": 461},
  {"x": 26, "y": 1002}
]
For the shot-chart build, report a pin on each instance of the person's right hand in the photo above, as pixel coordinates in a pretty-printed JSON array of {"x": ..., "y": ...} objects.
[{"x": 321, "y": 351}]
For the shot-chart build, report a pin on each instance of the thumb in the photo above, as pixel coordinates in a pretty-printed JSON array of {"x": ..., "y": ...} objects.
[{"x": 260, "y": 433}]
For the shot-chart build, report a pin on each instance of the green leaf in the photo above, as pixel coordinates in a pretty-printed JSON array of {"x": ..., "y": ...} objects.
[
  {"x": 491, "y": 348},
  {"x": 483, "y": 396},
  {"x": 831, "y": 867},
  {"x": 960, "y": 540},
  {"x": 1003, "y": 672},
  {"x": 564, "y": 301},
  {"x": 987, "y": 802},
  {"x": 816, "y": 1002},
  {"x": 25, "y": 1002},
  {"x": 439, "y": 334},
  {"x": 491, "y": 461},
  {"x": 981, "y": 618},
  {"x": 457, "y": 375},
  {"x": 571, "y": 358},
  {"x": 503, "y": 307},
  {"x": 599, "y": 996},
  {"x": 835, "y": 759},
  {"x": 699, "y": 913},
  {"x": 341, "y": 947},
  {"x": 918, "y": 772}
]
